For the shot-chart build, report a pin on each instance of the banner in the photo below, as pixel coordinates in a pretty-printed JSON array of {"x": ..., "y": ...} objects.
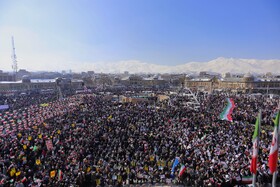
[
  {"x": 4, "y": 107},
  {"x": 44, "y": 104}
]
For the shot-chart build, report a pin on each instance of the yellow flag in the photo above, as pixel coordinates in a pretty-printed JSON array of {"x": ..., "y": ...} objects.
[
  {"x": 52, "y": 174},
  {"x": 40, "y": 136},
  {"x": 119, "y": 178},
  {"x": 98, "y": 182},
  {"x": 58, "y": 132},
  {"x": 127, "y": 170},
  {"x": 73, "y": 125},
  {"x": 158, "y": 163},
  {"x": 24, "y": 146},
  {"x": 146, "y": 168},
  {"x": 29, "y": 138},
  {"x": 38, "y": 162},
  {"x": 88, "y": 169},
  {"x": 133, "y": 163},
  {"x": 44, "y": 104},
  {"x": 12, "y": 172},
  {"x": 19, "y": 135},
  {"x": 18, "y": 173},
  {"x": 162, "y": 163},
  {"x": 169, "y": 164}
]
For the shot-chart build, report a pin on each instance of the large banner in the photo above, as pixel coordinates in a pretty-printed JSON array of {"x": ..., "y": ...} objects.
[{"x": 3, "y": 107}]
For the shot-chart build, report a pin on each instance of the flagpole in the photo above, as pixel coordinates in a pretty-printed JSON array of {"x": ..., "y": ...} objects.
[
  {"x": 254, "y": 179},
  {"x": 275, "y": 172},
  {"x": 274, "y": 179},
  {"x": 258, "y": 140}
]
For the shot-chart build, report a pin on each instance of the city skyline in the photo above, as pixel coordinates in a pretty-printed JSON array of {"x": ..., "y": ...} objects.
[{"x": 78, "y": 35}]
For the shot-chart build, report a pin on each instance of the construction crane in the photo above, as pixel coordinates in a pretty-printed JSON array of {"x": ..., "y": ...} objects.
[{"x": 14, "y": 59}]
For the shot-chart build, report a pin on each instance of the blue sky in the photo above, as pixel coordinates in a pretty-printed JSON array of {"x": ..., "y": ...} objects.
[{"x": 57, "y": 34}]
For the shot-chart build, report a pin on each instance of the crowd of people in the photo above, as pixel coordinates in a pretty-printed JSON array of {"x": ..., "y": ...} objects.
[
  {"x": 25, "y": 100},
  {"x": 88, "y": 140}
]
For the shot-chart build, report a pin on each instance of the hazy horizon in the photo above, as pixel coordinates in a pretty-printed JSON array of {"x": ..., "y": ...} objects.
[{"x": 219, "y": 65}]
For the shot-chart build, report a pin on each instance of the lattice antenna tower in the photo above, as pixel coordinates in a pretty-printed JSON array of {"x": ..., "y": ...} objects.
[{"x": 14, "y": 57}]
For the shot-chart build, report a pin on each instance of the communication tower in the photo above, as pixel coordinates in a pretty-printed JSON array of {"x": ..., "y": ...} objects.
[{"x": 14, "y": 59}]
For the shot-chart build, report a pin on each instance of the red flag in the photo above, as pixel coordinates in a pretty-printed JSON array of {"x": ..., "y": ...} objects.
[
  {"x": 253, "y": 167},
  {"x": 273, "y": 155}
]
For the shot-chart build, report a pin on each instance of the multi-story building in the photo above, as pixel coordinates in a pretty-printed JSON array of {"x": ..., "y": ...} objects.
[
  {"x": 6, "y": 76},
  {"x": 199, "y": 83},
  {"x": 236, "y": 83},
  {"x": 26, "y": 85},
  {"x": 141, "y": 81}
]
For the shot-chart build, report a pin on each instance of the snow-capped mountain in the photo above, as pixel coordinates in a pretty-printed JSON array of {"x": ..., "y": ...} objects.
[{"x": 219, "y": 65}]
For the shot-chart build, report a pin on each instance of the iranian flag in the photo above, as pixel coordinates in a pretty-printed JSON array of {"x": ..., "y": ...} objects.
[
  {"x": 255, "y": 139},
  {"x": 247, "y": 180},
  {"x": 273, "y": 155},
  {"x": 60, "y": 175},
  {"x": 226, "y": 114},
  {"x": 182, "y": 170}
]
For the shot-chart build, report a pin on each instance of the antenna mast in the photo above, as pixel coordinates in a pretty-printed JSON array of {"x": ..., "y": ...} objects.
[{"x": 14, "y": 58}]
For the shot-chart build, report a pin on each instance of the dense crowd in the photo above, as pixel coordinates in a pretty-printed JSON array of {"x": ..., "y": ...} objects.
[
  {"x": 24, "y": 100},
  {"x": 97, "y": 142},
  {"x": 19, "y": 100}
]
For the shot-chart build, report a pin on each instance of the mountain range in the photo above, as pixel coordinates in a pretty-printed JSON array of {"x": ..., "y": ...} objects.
[{"x": 219, "y": 65}]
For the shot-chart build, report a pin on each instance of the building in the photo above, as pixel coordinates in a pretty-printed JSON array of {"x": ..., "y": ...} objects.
[
  {"x": 6, "y": 76},
  {"x": 203, "y": 82},
  {"x": 21, "y": 73},
  {"x": 247, "y": 83},
  {"x": 152, "y": 81},
  {"x": 199, "y": 83},
  {"x": 29, "y": 85}
]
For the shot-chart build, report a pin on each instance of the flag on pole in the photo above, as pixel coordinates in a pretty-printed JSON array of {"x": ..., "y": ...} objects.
[
  {"x": 60, "y": 175},
  {"x": 226, "y": 114},
  {"x": 247, "y": 180},
  {"x": 273, "y": 155},
  {"x": 182, "y": 170},
  {"x": 52, "y": 174},
  {"x": 175, "y": 163},
  {"x": 255, "y": 140}
]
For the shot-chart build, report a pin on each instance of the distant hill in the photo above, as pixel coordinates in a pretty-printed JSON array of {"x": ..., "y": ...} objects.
[{"x": 219, "y": 65}]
